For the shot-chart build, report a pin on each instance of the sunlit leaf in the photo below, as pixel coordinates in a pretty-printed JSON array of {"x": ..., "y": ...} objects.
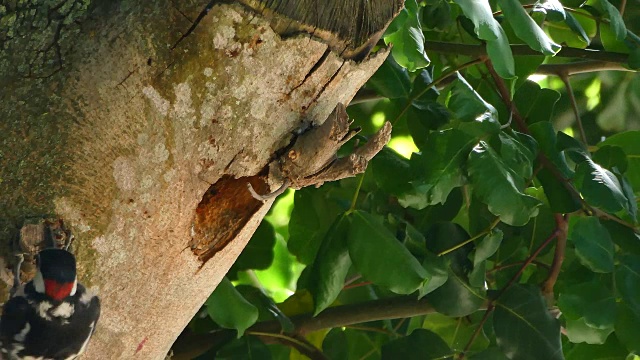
[
  {"x": 527, "y": 29},
  {"x": 229, "y": 309},
  {"x": 488, "y": 29},
  {"x": 408, "y": 41},
  {"x": 600, "y": 187},
  {"x": 578, "y": 331},
  {"x": 629, "y": 141}
]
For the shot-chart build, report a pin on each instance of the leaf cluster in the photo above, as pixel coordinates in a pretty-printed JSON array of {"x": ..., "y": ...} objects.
[{"x": 499, "y": 235}]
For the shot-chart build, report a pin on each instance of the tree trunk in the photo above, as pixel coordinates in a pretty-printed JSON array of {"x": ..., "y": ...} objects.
[{"x": 117, "y": 117}]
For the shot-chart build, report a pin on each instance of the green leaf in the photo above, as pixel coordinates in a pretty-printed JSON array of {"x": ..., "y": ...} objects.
[
  {"x": 527, "y": 29},
  {"x": 623, "y": 236},
  {"x": 335, "y": 345},
  {"x": 456, "y": 297},
  {"x": 488, "y": 29},
  {"x": 578, "y": 331},
  {"x": 524, "y": 327},
  {"x": 592, "y": 302},
  {"x": 456, "y": 332},
  {"x": 391, "y": 80},
  {"x": 408, "y": 42},
  {"x": 439, "y": 169},
  {"x": 545, "y": 136},
  {"x": 407, "y": 347},
  {"x": 488, "y": 246},
  {"x": 500, "y": 188},
  {"x": 436, "y": 267},
  {"x": 611, "y": 350},
  {"x": 600, "y": 187},
  {"x": 437, "y": 15},
  {"x": 629, "y": 141},
  {"x": 536, "y": 104},
  {"x": 391, "y": 171},
  {"x": 246, "y": 348},
  {"x": 611, "y": 12},
  {"x": 628, "y": 327},
  {"x": 518, "y": 152},
  {"x": 492, "y": 353},
  {"x": 258, "y": 254},
  {"x": 552, "y": 8},
  {"x": 229, "y": 309},
  {"x": 593, "y": 243},
  {"x": 468, "y": 106},
  {"x": 331, "y": 265},
  {"x": 577, "y": 28},
  {"x": 627, "y": 277},
  {"x": 371, "y": 244},
  {"x": 311, "y": 218},
  {"x": 634, "y": 58},
  {"x": 611, "y": 157}
]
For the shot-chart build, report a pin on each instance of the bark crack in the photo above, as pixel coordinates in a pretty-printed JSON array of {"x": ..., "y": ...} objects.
[{"x": 201, "y": 16}]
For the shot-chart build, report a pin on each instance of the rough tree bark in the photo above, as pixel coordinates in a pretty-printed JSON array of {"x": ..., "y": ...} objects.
[{"x": 135, "y": 122}]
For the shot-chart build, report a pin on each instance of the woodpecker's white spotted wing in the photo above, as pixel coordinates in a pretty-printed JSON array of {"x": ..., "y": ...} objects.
[{"x": 35, "y": 326}]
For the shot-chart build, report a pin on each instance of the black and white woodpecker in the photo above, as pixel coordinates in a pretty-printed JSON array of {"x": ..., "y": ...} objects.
[{"x": 52, "y": 316}]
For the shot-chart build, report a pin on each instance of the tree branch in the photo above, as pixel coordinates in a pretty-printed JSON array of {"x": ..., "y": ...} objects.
[
  {"x": 565, "y": 52},
  {"x": 337, "y": 316},
  {"x": 558, "y": 257}
]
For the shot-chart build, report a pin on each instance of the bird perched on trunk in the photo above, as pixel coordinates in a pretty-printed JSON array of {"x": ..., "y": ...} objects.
[{"x": 52, "y": 316}]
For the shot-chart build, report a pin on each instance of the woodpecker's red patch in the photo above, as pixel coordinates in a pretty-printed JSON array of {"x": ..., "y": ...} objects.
[{"x": 56, "y": 290}]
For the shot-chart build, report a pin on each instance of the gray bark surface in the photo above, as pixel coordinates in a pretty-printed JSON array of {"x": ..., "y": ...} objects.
[{"x": 126, "y": 121}]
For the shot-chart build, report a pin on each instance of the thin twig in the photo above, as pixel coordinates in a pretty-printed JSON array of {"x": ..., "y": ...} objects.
[
  {"x": 264, "y": 198},
  {"x": 484, "y": 232},
  {"x": 574, "y": 104}
]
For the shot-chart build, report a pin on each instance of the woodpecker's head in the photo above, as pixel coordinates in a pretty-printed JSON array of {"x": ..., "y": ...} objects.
[{"x": 56, "y": 276}]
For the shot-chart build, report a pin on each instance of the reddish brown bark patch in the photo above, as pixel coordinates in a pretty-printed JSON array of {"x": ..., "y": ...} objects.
[{"x": 224, "y": 210}]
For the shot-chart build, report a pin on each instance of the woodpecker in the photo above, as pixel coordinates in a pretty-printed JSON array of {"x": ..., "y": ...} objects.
[{"x": 52, "y": 316}]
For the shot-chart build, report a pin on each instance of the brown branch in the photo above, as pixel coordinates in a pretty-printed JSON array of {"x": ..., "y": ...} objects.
[
  {"x": 514, "y": 278},
  {"x": 580, "y": 67},
  {"x": 337, "y": 316},
  {"x": 565, "y": 52},
  {"x": 558, "y": 257}
]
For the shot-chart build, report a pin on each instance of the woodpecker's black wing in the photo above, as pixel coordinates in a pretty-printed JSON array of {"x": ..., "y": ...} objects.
[{"x": 15, "y": 315}]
